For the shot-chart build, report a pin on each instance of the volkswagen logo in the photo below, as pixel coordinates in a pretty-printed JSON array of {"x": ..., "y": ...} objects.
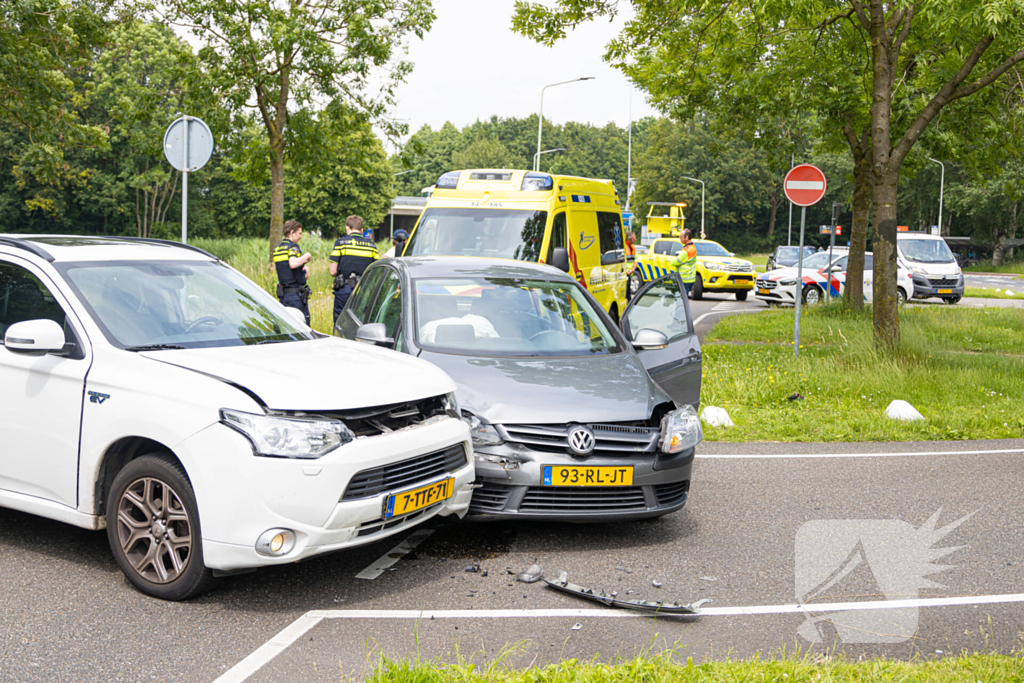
[{"x": 581, "y": 441}]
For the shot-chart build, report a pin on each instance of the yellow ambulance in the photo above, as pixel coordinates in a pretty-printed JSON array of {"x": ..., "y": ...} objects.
[{"x": 571, "y": 223}]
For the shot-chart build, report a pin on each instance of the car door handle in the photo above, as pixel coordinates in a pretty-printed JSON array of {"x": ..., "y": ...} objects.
[{"x": 694, "y": 356}]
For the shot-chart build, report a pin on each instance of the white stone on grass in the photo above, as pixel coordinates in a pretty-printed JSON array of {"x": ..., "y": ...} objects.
[
  {"x": 901, "y": 410},
  {"x": 715, "y": 417}
]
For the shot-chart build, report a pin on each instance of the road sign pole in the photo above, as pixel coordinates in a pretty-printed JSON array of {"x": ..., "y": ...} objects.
[
  {"x": 184, "y": 186},
  {"x": 832, "y": 244},
  {"x": 798, "y": 294}
]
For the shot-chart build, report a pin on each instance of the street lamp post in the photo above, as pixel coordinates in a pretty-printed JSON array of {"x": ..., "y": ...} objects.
[
  {"x": 701, "y": 203},
  {"x": 393, "y": 176},
  {"x": 536, "y": 157},
  {"x": 942, "y": 185},
  {"x": 540, "y": 115}
]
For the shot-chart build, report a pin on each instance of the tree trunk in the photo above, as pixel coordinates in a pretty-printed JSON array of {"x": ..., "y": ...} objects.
[
  {"x": 276, "y": 192},
  {"x": 997, "y": 250},
  {"x": 885, "y": 311},
  {"x": 774, "y": 200},
  {"x": 853, "y": 293},
  {"x": 1013, "y": 228}
]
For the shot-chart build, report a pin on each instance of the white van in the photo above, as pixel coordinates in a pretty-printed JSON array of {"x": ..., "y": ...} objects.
[{"x": 931, "y": 263}]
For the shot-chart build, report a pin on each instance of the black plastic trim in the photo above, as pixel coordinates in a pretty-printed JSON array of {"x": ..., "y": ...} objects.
[{"x": 29, "y": 247}]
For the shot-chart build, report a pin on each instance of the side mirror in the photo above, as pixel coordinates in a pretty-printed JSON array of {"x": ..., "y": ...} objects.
[
  {"x": 560, "y": 259},
  {"x": 376, "y": 334},
  {"x": 732, "y": 253},
  {"x": 34, "y": 337},
  {"x": 297, "y": 314},
  {"x": 647, "y": 339}
]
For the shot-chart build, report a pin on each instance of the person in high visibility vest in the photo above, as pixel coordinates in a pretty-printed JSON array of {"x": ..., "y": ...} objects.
[
  {"x": 351, "y": 255},
  {"x": 292, "y": 269},
  {"x": 685, "y": 261}
]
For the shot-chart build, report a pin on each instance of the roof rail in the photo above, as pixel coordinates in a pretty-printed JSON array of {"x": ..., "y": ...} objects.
[
  {"x": 166, "y": 243},
  {"x": 27, "y": 246}
]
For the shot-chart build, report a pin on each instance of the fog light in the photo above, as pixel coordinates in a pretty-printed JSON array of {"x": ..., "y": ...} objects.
[{"x": 275, "y": 542}]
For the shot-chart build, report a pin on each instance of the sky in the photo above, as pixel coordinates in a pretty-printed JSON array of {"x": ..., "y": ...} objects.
[{"x": 472, "y": 66}]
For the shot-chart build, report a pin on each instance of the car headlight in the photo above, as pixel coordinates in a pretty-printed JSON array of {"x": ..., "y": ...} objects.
[
  {"x": 483, "y": 434},
  {"x": 680, "y": 430},
  {"x": 788, "y": 283},
  {"x": 289, "y": 437},
  {"x": 451, "y": 405},
  {"x": 919, "y": 271}
]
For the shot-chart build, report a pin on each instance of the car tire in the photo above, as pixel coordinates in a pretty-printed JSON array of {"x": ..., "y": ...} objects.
[
  {"x": 636, "y": 283},
  {"x": 697, "y": 290},
  {"x": 741, "y": 296},
  {"x": 901, "y": 298},
  {"x": 952, "y": 300},
  {"x": 812, "y": 295},
  {"x": 152, "y": 496}
]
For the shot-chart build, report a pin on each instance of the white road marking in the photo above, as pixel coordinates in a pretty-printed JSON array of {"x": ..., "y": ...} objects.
[
  {"x": 394, "y": 555},
  {"x": 251, "y": 664},
  {"x": 732, "y": 310},
  {"x": 890, "y": 454}
]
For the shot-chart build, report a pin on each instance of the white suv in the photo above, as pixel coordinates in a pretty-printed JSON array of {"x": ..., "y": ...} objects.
[{"x": 151, "y": 389}]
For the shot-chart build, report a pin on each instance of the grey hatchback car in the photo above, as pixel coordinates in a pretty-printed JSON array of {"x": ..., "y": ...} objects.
[{"x": 573, "y": 418}]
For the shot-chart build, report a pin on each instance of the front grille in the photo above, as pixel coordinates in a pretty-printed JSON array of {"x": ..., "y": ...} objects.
[
  {"x": 736, "y": 268},
  {"x": 671, "y": 494},
  {"x": 490, "y": 498},
  {"x": 378, "y": 525},
  {"x": 767, "y": 284},
  {"x": 610, "y": 439},
  {"x": 569, "y": 499},
  {"x": 389, "y": 418},
  {"x": 944, "y": 282},
  {"x": 406, "y": 473}
]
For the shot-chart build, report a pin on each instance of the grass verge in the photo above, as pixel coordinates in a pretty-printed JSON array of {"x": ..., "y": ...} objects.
[
  {"x": 986, "y": 293},
  {"x": 1016, "y": 267},
  {"x": 980, "y": 668},
  {"x": 962, "y": 368},
  {"x": 756, "y": 259}
]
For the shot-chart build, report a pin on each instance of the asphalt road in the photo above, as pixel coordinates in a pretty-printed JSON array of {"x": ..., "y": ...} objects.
[
  {"x": 995, "y": 281},
  {"x": 66, "y": 613}
]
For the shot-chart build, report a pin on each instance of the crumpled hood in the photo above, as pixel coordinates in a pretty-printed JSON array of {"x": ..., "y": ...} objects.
[
  {"x": 553, "y": 390},
  {"x": 320, "y": 374}
]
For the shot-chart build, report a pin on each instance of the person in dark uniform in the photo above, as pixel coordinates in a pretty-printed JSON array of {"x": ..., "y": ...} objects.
[
  {"x": 292, "y": 270},
  {"x": 349, "y": 258}
]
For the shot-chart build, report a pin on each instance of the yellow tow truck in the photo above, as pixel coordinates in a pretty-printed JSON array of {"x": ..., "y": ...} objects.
[{"x": 718, "y": 270}]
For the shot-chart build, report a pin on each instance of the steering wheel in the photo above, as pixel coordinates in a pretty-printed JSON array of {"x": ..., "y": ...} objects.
[{"x": 205, "y": 320}]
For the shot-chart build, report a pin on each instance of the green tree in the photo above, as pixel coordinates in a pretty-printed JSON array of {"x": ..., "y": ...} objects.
[{"x": 287, "y": 59}]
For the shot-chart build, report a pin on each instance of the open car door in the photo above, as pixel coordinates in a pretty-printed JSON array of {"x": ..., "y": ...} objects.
[{"x": 662, "y": 306}]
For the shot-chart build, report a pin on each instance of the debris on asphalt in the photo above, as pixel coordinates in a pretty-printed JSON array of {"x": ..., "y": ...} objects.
[
  {"x": 474, "y": 568},
  {"x": 709, "y": 578},
  {"x": 577, "y": 627},
  {"x": 901, "y": 410},
  {"x": 484, "y": 573},
  {"x": 623, "y": 569},
  {"x": 656, "y": 583},
  {"x": 661, "y": 607},
  {"x": 531, "y": 575},
  {"x": 715, "y": 417},
  {"x": 794, "y": 397}
]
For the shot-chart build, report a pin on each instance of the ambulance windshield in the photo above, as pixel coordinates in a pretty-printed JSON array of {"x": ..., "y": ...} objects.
[{"x": 496, "y": 233}]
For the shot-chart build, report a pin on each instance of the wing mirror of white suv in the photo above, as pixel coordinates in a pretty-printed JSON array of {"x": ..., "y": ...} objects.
[
  {"x": 375, "y": 333},
  {"x": 297, "y": 314},
  {"x": 34, "y": 337}
]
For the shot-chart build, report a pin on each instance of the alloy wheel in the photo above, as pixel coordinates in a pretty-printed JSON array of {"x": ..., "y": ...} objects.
[
  {"x": 812, "y": 295},
  {"x": 154, "y": 530}
]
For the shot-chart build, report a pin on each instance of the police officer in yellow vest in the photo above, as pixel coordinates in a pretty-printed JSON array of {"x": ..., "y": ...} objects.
[
  {"x": 349, "y": 258},
  {"x": 685, "y": 261},
  {"x": 292, "y": 271}
]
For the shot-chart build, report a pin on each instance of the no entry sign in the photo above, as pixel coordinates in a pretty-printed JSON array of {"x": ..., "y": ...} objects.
[{"x": 805, "y": 185}]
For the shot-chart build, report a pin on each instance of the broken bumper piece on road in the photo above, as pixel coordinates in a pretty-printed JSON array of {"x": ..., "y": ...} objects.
[{"x": 660, "y": 607}]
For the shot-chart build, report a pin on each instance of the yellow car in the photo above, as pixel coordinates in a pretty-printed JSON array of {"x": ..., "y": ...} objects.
[{"x": 717, "y": 269}]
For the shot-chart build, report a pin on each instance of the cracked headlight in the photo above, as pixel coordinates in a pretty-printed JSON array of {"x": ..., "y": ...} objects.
[
  {"x": 483, "y": 434},
  {"x": 680, "y": 430},
  {"x": 289, "y": 437}
]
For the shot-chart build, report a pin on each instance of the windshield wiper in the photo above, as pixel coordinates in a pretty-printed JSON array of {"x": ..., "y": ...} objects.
[{"x": 153, "y": 347}]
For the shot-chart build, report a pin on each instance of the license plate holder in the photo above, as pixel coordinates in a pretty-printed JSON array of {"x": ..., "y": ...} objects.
[
  {"x": 587, "y": 475},
  {"x": 943, "y": 291},
  {"x": 411, "y": 500}
]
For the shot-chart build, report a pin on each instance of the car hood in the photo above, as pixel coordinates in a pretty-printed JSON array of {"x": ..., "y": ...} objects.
[
  {"x": 553, "y": 390},
  {"x": 724, "y": 260},
  {"x": 315, "y": 375}
]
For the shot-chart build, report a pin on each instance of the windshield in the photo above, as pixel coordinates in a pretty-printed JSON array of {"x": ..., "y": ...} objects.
[
  {"x": 500, "y": 316},
  {"x": 178, "y": 304},
  {"x": 710, "y": 249},
  {"x": 816, "y": 261},
  {"x": 926, "y": 251},
  {"x": 497, "y": 233}
]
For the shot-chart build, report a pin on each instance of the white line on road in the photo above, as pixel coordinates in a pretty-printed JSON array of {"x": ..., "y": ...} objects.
[
  {"x": 747, "y": 310},
  {"x": 300, "y": 626},
  {"x": 887, "y": 454},
  {"x": 394, "y": 555}
]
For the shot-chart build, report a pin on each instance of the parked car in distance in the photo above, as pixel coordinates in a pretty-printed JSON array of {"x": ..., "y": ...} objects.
[
  {"x": 786, "y": 257},
  {"x": 932, "y": 265},
  {"x": 821, "y": 280},
  {"x": 572, "y": 418},
  {"x": 151, "y": 389}
]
